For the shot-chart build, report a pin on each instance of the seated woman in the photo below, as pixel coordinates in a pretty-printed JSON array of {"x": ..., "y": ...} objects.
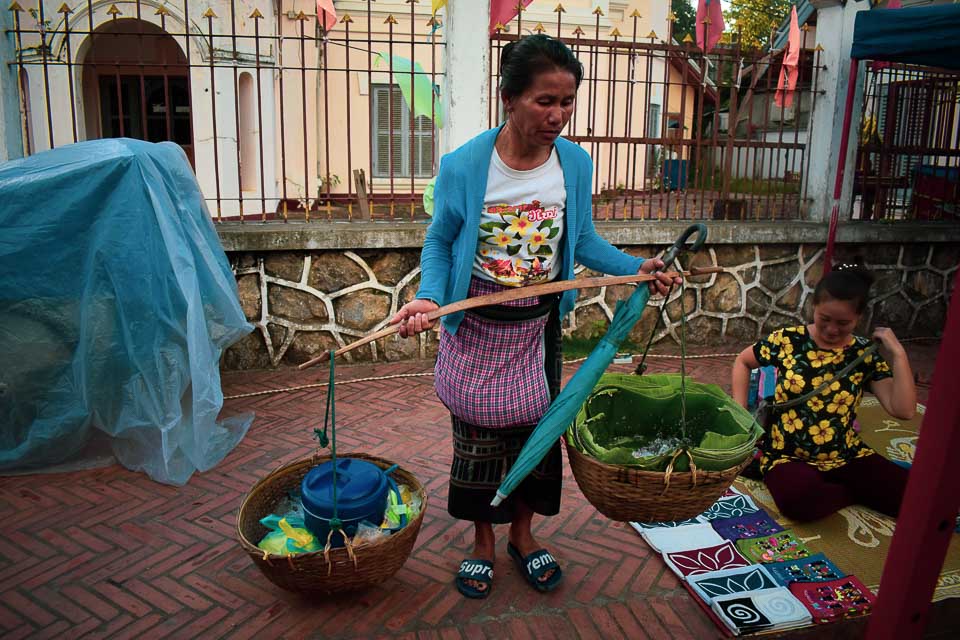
[{"x": 812, "y": 459}]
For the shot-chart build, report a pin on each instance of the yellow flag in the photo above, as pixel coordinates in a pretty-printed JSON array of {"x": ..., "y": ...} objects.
[{"x": 437, "y": 4}]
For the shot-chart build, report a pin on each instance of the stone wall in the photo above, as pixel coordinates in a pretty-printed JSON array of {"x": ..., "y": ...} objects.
[{"x": 305, "y": 301}]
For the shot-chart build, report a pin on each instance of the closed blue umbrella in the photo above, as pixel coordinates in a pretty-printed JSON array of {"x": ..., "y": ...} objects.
[{"x": 564, "y": 408}]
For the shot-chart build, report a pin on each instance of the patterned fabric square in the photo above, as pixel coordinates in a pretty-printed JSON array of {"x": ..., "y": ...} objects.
[
  {"x": 773, "y": 609},
  {"x": 697, "y": 561},
  {"x": 836, "y": 599},
  {"x": 816, "y": 568},
  {"x": 642, "y": 526},
  {"x": 776, "y": 547},
  {"x": 741, "y": 615},
  {"x": 731, "y": 507},
  {"x": 692, "y": 536},
  {"x": 749, "y": 526},
  {"x": 730, "y": 582}
]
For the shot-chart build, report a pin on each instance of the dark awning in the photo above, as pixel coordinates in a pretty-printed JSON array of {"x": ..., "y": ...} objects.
[{"x": 928, "y": 36}]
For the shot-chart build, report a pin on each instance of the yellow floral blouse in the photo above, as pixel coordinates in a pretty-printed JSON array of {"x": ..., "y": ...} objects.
[{"x": 819, "y": 431}]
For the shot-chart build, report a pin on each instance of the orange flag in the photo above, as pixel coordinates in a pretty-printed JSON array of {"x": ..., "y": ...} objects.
[
  {"x": 789, "y": 71},
  {"x": 328, "y": 13}
]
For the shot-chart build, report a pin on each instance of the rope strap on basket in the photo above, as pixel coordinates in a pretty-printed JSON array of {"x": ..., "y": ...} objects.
[
  {"x": 669, "y": 471},
  {"x": 330, "y": 420}
]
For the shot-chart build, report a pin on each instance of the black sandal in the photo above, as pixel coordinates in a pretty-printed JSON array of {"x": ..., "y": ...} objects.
[
  {"x": 535, "y": 566},
  {"x": 478, "y": 571}
]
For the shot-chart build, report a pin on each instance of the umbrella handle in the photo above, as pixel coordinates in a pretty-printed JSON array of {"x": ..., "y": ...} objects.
[{"x": 700, "y": 229}]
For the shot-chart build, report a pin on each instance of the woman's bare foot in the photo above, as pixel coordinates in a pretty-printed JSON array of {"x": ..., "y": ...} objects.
[
  {"x": 522, "y": 538},
  {"x": 484, "y": 548}
]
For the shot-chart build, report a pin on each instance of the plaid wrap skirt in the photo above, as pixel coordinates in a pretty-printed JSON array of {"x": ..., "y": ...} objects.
[{"x": 482, "y": 455}]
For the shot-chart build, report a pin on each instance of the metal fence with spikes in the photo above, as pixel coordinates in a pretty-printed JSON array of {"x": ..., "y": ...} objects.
[
  {"x": 287, "y": 117},
  {"x": 908, "y": 157},
  {"x": 282, "y": 117},
  {"x": 674, "y": 133}
]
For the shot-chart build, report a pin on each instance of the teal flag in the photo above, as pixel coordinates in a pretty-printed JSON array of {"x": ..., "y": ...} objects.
[{"x": 421, "y": 95}]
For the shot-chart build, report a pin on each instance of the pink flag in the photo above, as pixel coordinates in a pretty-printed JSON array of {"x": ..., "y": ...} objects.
[
  {"x": 789, "y": 71},
  {"x": 894, "y": 4},
  {"x": 503, "y": 11},
  {"x": 329, "y": 14},
  {"x": 709, "y": 25}
]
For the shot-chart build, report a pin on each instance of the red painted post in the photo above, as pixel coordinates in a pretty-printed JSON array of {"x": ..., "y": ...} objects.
[
  {"x": 930, "y": 504},
  {"x": 841, "y": 166}
]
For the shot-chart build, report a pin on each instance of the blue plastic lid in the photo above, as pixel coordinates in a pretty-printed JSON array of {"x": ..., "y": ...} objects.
[{"x": 361, "y": 490}]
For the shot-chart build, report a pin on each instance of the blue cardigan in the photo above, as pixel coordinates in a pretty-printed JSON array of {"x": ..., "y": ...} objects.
[{"x": 446, "y": 261}]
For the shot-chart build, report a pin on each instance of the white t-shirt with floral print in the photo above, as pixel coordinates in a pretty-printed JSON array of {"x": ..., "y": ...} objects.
[{"x": 521, "y": 224}]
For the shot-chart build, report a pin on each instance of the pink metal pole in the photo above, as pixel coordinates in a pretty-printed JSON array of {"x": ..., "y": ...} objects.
[
  {"x": 841, "y": 166},
  {"x": 930, "y": 503}
]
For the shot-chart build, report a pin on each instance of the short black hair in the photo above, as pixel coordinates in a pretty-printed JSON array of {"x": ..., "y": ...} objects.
[
  {"x": 521, "y": 60},
  {"x": 849, "y": 283}
]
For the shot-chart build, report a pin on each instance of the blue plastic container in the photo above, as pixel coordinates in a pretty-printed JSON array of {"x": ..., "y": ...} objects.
[
  {"x": 675, "y": 172},
  {"x": 361, "y": 495}
]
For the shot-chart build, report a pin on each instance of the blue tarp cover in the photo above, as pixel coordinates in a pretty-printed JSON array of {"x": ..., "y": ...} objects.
[
  {"x": 928, "y": 36},
  {"x": 117, "y": 301}
]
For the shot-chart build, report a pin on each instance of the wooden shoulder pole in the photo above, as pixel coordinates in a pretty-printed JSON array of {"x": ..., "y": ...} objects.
[{"x": 509, "y": 295}]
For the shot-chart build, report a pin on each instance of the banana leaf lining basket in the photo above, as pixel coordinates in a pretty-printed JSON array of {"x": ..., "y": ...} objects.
[
  {"x": 631, "y": 464},
  {"x": 336, "y": 571}
]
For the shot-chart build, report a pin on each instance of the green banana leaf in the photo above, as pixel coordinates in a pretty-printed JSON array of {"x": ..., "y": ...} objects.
[{"x": 637, "y": 421}]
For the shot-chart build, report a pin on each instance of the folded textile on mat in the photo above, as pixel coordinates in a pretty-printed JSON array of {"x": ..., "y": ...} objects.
[
  {"x": 729, "y": 582},
  {"x": 776, "y": 547},
  {"x": 697, "y": 561},
  {"x": 835, "y": 599},
  {"x": 768, "y": 610},
  {"x": 692, "y": 536},
  {"x": 815, "y": 568},
  {"x": 750, "y": 526},
  {"x": 640, "y": 527},
  {"x": 732, "y": 506}
]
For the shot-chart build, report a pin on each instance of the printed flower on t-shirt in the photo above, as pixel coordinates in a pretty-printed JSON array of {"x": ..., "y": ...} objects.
[
  {"x": 818, "y": 359},
  {"x": 519, "y": 225},
  {"x": 841, "y": 403},
  {"x": 516, "y": 249},
  {"x": 821, "y": 432},
  {"x": 850, "y": 438},
  {"x": 791, "y": 422},
  {"x": 794, "y": 381},
  {"x": 779, "y": 395},
  {"x": 536, "y": 239},
  {"x": 502, "y": 239},
  {"x": 776, "y": 438},
  {"x": 826, "y": 457}
]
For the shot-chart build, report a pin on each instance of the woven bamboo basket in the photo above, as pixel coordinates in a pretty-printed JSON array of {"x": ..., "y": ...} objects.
[
  {"x": 633, "y": 495},
  {"x": 316, "y": 572}
]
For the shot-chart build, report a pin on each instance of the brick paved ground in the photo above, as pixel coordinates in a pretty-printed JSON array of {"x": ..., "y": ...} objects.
[{"x": 108, "y": 553}]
